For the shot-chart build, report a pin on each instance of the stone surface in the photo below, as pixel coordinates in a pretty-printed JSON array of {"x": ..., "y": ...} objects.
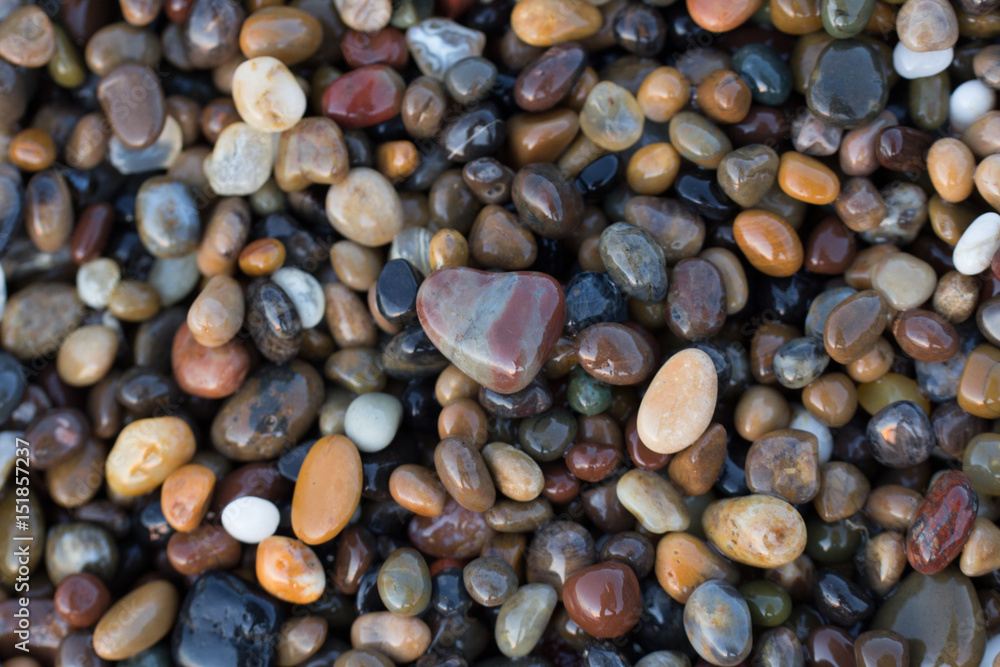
[
  {"x": 328, "y": 490},
  {"x": 756, "y": 530},
  {"x": 679, "y": 403}
]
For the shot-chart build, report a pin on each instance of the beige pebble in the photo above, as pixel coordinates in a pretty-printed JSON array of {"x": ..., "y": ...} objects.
[
  {"x": 679, "y": 403},
  {"x": 516, "y": 474},
  {"x": 86, "y": 355}
]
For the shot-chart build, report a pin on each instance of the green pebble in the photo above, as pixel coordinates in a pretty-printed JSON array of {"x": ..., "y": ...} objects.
[
  {"x": 404, "y": 582},
  {"x": 546, "y": 436},
  {"x": 846, "y": 18},
  {"x": 835, "y": 542},
  {"x": 803, "y": 620},
  {"x": 586, "y": 394},
  {"x": 929, "y": 98},
  {"x": 770, "y": 605},
  {"x": 66, "y": 67}
]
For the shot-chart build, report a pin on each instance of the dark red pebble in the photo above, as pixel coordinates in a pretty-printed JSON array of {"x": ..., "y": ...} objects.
[{"x": 942, "y": 523}]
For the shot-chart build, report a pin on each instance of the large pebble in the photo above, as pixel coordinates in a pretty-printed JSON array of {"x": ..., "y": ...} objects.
[
  {"x": 327, "y": 491},
  {"x": 267, "y": 96},
  {"x": 717, "y": 622},
  {"x": 977, "y": 245},
  {"x": 653, "y": 500},
  {"x": 942, "y": 523},
  {"x": 760, "y": 531},
  {"x": 679, "y": 403},
  {"x": 208, "y": 372},
  {"x": 38, "y": 318},
  {"x": 241, "y": 160},
  {"x": 137, "y": 621},
  {"x": 365, "y": 207},
  {"x": 603, "y": 599},
  {"x": 146, "y": 452},
  {"x": 523, "y": 618}
]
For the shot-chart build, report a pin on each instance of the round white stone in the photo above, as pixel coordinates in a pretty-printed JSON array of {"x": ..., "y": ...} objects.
[
  {"x": 914, "y": 65},
  {"x": 372, "y": 420},
  {"x": 95, "y": 280},
  {"x": 802, "y": 420},
  {"x": 240, "y": 162},
  {"x": 174, "y": 278},
  {"x": 267, "y": 96},
  {"x": 304, "y": 291},
  {"x": 250, "y": 519},
  {"x": 968, "y": 103},
  {"x": 977, "y": 245}
]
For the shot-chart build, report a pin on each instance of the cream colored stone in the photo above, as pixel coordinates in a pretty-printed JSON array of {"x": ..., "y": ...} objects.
[{"x": 679, "y": 403}]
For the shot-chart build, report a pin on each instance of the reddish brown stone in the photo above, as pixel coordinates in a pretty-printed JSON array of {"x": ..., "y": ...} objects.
[
  {"x": 385, "y": 47},
  {"x": 592, "y": 461},
  {"x": 208, "y": 372},
  {"x": 456, "y": 533},
  {"x": 81, "y": 599},
  {"x": 204, "y": 548},
  {"x": 942, "y": 523},
  {"x": 831, "y": 248},
  {"x": 603, "y": 599},
  {"x": 364, "y": 97}
]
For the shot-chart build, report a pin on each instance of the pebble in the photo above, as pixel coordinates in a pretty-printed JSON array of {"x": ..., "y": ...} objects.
[
  {"x": 305, "y": 293},
  {"x": 549, "y": 22},
  {"x": 208, "y": 372},
  {"x": 784, "y": 463},
  {"x": 267, "y": 95},
  {"x": 768, "y": 242},
  {"x": 611, "y": 116},
  {"x": 756, "y": 530},
  {"x": 71, "y": 548},
  {"x": 240, "y": 162},
  {"x": 717, "y": 623},
  {"x": 401, "y": 638},
  {"x": 981, "y": 238},
  {"x": 146, "y": 452},
  {"x": 137, "y": 621},
  {"x": 87, "y": 355},
  {"x": 927, "y": 25},
  {"x": 849, "y": 85},
  {"x": 328, "y": 490},
  {"x": 372, "y": 420},
  {"x": 514, "y": 472},
  {"x": 979, "y": 463},
  {"x": 634, "y": 261},
  {"x": 919, "y": 65},
  {"x": 81, "y": 599},
  {"x": 437, "y": 43},
  {"x": 216, "y": 315},
  {"x": 603, "y": 599},
  {"x": 287, "y": 33},
  {"x": 523, "y": 617},
  {"x": 289, "y": 570},
  {"x": 185, "y": 495},
  {"x": 365, "y": 208},
  {"x": 250, "y": 519},
  {"x": 490, "y": 580},
  {"x": 942, "y": 523},
  {"x": 548, "y": 79},
  {"x": 404, "y": 582},
  {"x": 684, "y": 562},
  {"x": 668, "y": 420},
  {"x": 969, "y": 102},
  {"x": 458, "y": 308}
]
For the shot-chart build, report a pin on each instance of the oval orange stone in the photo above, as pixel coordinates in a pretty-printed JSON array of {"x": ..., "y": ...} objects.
[
  {"x": 807, "y": 179},
  {"x": 722, "y": 15},
  {"x": 768, "y": 242},
  {"x": 328, "y": 490}
]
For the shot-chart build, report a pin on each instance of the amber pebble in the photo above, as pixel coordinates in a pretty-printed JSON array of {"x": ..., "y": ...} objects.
[
  {"x": 515, "y": 474},
  {"x": 448, "y": 248},
  {"x": 950, "y": 165},
  {"x": 978, "y": 389},
  {"x": 721, "y": 15},
  {"x": 402, "y": 639},
  {"x": 684, "y": 562},
  {"x": 452, "y": 385},
  {"x": 756, "y": 530},
  {"x": 663, "y": 93},
  {"x": 262, "y": 257},
  {"x": 796, "y": 17},
  {"x": 860, "y": 205},
  {"x": 540, "y": 137},
  {"x": 48, "y": 210},
  {"x": 724, "y": 96},
  {"x": 216, "y": 315},
  {"x": 831, "y": 247},
  {"x": 32, "y": 149},
  {"x": 987, "y": 179},
  {"x": 854, "y": 326},
  {"x": 603, "y": 599},
  {"x": 418, "y": 489},
  {"x": 548, "y": 22},
  {"x": 832, "y": 398},
  {"x": 81, "y": 599},
  {"x": 185, "y": 496},
  {"x": 327, "y": 491},
  {"x": 464, "y": 473},
  {"x": 146, "y": 452},
  {"x": 653, "y": 168},
  {"x": 76, "y": 480},
  {"x": 807, "y": 179},
  {"x": 225, "y": 237},
  {"x": 859, "y": 274},
  {"x": 300, "y": 638},
  {"x": 843, "y": 491},
  {"x": 695, "y": 469},
  {"x": 87, "y": 144},
  {"x": 784, "y": 463},
  {"x": 499, "y": 240},
  {"x": 768, "y": 242},
  {"x": 27, "y": 37},
  {"x": 925, "y": 335},
  {"x": 464, "y": 418},
  {"x": 760, "y": 410},
  {"x": 873, "y": 364},
  {"x": 133, "y": 301},
  {"x": 981, "y": 554},
  {"x": 86, "y": 355},
  {"x": 289, "y": 570},
  {"x": 137, "y": 621},
  {"x": 287, "y": 33}
]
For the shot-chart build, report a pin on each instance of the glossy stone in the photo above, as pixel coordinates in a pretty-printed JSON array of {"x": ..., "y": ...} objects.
[
  {"x": 522, "y": 619},
  {"x": 364, "y": 97},
  {"x": 405, "y": 583},
  {"x": 137, "y": 621},
  {"x": 784, "y": 463},
  {"x": 942, "y": 523},
  {"x": 717, "y": 622},
  {"x": 328, "y": 490},
  {"x": 900, "y": 435},
  {"x": 603, "y": 599},
  {"x": 548, "y": 79},
  {"x": 668, "y": 420},
  {"x": 756, "y": 530},
  {"x": 849, "y": 85},
  {"x": 444, "y": 307}
]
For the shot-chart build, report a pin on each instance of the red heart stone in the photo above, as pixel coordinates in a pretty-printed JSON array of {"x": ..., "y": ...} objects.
[{"x": 498, "y": 328}]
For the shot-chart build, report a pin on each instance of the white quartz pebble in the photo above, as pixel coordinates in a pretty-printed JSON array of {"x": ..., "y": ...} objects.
[
  {"x": 267, "y": 96},
  {"x": 304, "y": 291},
  {"x": 250, "y": 519},
  {"x": 437, "y": 44},
  {"x": 803, "y": 420},
  {"x": 977, "y": 245},
  {"x": 372, "y": 420},
  {"x": 160, "y": 155},
  {"x": 95, "y": 280},
  {"x": 174, "y": 278},
  {"x": 913, "y": 65},
  {"x": 968, "y": 102},
  {"x": 240, "y": 162}
]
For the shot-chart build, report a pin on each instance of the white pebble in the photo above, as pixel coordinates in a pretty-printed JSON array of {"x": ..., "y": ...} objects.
[
  {"x": 174, "y": 278},
  {"x": 914, "y": 65},
  {"x": 304, "y": 291},
  {"x": 372, "y": 421},
  {"x": 95, "y": 280},
  {"x": 250, "y": 519},
  {"x": 968, "y": 103},
  {"x": 804, "y": 421},
  {"x": 240, "y": 162},
  {"x": 267, "y": 96},
  {"x": 160, "y": 155},
  {"x": 977, "y": 245}
]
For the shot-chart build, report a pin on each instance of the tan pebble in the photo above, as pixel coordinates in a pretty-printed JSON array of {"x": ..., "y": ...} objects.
[
  {"x": 146, "y": 452},
  {"x": 515, "y": 474},
  {"x": 464, "y": 474},
  {"x": 299, "y": 638},
  {"x": 137, "y": 621},
  {"x": 216, "y": 315},
  {"x": 684, "y": 562},
  {"x": 185, "y": 496},
  {"x": 87, "y": 355},
  {"x": 401, "y": 638},
  {"x": 760, "y": 409},
  {"x": 679, "y": 403},
  {"x": 653, "y": 500},
  {"x": 418, "y": 489},
  {"x": 760, "y": 531}
]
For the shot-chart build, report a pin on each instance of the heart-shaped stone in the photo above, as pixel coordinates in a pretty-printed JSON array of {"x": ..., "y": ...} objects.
[{"x": 498, "y": 328}]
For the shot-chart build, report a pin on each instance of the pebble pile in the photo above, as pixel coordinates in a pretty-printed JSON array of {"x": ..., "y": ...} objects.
[{"x": 500, "y": 333}]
